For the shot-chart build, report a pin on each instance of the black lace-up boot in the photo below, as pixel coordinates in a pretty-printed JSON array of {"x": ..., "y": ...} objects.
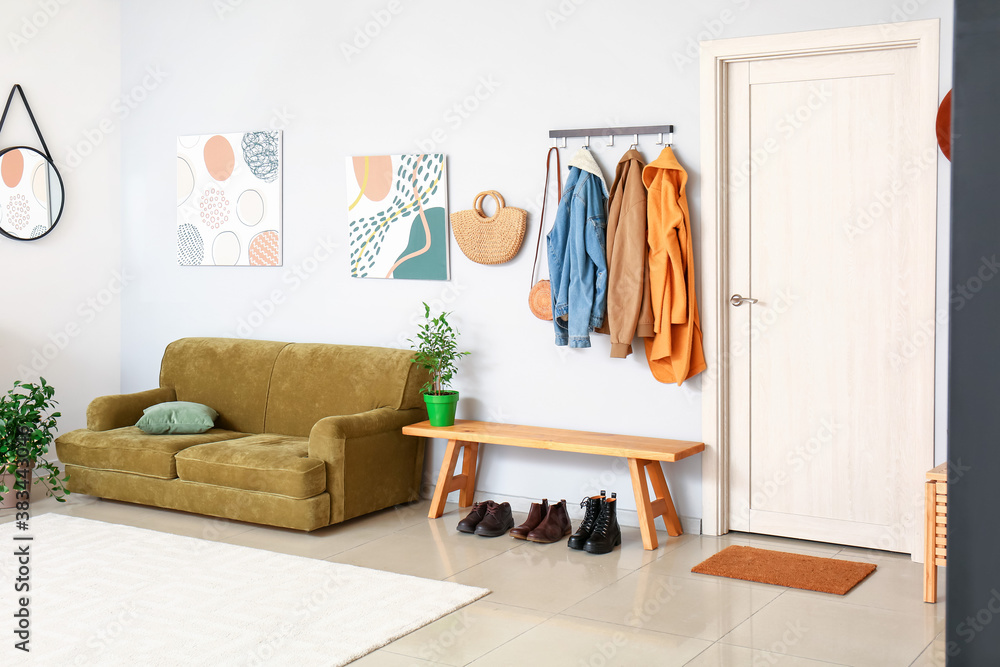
[
  {"x": 607, "y": 534},
  {"x": 593, "y": 508}
]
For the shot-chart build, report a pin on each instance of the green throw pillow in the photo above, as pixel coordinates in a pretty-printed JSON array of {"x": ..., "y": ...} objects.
[{"x": 177, "y": 417}]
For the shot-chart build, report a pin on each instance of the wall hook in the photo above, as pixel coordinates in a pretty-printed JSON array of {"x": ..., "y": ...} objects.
[{"x": 611, "y": 140}]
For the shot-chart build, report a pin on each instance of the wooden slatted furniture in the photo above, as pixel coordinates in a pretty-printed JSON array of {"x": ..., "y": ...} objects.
[
  {"x": 644, "y": 456},
  {"x": 936, "y": 528}
]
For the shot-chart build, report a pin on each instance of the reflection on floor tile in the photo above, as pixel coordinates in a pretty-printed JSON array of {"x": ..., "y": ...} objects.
[
  {"x": 444, "y": 551},
  {"x": 827, "y": 629},
  {"x": 573, "y": 641},
  {"x": 704, "y": 609},
  {"x": 897, "y": 584},
  {"x": 384, "y": 658},
  {"x": 469, "y": 633},
  {"x": 934, "y": 655},
  {"x": 543, "y": 577},
  {"x": 725, "y": 655}
]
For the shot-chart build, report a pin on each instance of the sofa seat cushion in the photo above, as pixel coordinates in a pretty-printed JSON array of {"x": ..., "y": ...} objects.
[
  {"x": 269, "y": 463},
  {"x": 128, "y": 449}
]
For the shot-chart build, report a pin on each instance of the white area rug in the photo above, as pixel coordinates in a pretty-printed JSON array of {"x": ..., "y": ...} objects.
[{"x": 106, "y": 594}]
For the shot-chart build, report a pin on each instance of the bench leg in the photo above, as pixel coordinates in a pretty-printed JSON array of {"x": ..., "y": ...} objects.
[
  {"x": 660, "y": 505},
  {"x": 659, "y": 482},
  {"x": 646, "y": 525},
  {"x": 448, "y": 481},
  {"x": 468, "y": 489}
]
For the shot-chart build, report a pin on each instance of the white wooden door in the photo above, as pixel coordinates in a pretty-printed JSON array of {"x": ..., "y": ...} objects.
[{"x": 833, "y": 232}]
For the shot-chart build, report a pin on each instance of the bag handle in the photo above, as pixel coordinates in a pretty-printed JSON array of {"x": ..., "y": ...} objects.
[
  {"x": 545, "y": 193},
  {"x": 10, "y": 98},
  {"x": 481, "y": 197}
]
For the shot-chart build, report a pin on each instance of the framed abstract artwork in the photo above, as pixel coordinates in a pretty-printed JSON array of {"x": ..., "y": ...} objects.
[
  {"x": 229, "y": 199},
  {"x": 398, "y": 216}
]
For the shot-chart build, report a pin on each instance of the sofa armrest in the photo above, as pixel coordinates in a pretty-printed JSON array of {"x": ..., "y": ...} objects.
[
  {"x": 346, "y": 427},
  {"x": 107, "y": 412},
  {"x": 366, "y": 467}
]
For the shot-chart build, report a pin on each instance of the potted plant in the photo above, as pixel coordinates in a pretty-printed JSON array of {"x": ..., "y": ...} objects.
[
  {"x": 437, "y": 351},
  {"x": 27, "y": 422}
]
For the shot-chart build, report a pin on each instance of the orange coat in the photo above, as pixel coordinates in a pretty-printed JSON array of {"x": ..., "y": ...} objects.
[{"x": 675, "y": 352}]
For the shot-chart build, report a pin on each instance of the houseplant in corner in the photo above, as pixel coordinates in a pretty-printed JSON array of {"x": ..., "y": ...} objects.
[
  {"x": 437, "y": 351},
  {"x": 27, "y": 421}
]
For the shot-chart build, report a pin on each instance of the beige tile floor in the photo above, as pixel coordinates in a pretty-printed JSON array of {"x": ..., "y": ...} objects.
[{"x": 554, "y": 606}]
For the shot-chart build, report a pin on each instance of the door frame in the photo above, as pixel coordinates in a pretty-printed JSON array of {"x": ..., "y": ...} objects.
[{"x": 712, "y": 253}]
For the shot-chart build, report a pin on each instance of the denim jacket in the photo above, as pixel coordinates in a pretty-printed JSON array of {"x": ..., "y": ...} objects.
[{"x": 578, "y": 267}]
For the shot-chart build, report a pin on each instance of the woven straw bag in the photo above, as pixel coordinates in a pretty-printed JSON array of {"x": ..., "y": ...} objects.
[
  {"x": 491, "y": 239},
  {"x": 540, "y": 296}
]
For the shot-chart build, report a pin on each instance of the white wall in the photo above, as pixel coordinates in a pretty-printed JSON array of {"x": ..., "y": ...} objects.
[
  {"x": 62, "y": 316},
  {"x": 236, "y": 65}
]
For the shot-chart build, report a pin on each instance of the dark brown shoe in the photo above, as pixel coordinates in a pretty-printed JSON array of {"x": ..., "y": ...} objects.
[
  {"x": 469, "y": 523},
  {"x": 498, "y": 520},
  {"x": 555, "y": 526},
  {"x": 535, "y": 516}
]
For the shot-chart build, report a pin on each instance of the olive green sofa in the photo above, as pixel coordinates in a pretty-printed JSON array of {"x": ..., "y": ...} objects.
[{"x": 308, "y": 435}]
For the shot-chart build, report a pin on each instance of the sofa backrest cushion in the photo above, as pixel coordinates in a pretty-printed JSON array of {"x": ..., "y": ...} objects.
[
  {"x": 228, "y": 374},
  {"x": 312, "y": 381}
]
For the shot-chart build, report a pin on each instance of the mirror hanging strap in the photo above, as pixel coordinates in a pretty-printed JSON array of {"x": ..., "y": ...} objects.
[{"x": 17, "y": 88}]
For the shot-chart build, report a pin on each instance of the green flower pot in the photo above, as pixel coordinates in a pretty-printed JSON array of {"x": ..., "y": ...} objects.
[{"x": 441, "y": 408}]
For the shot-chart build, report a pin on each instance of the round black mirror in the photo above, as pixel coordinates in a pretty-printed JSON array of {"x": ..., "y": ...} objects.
[{"x": 31, "y": 194}]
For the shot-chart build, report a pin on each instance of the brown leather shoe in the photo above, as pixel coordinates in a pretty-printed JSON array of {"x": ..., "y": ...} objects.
[
  {"x": 469, "y": 523},
  {"x": 498, "y": 520},
  {"x": 535, "y": 516},
  {"x": 555, "y": 526}
]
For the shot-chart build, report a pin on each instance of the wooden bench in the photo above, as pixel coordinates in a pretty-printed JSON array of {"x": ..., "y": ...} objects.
[{"x": 643, "y": 454}]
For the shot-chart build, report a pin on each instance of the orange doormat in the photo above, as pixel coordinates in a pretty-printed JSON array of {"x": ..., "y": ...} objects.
[{"x": 826, "y": 575}]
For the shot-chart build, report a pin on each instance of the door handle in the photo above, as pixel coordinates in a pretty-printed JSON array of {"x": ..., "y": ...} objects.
[{"x": 738, "y": 300}]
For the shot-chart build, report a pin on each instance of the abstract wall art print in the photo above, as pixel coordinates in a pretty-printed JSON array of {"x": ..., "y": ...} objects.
[
  {"x": 398, "y": 216},
  {"x": 229, "y": 199}
]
